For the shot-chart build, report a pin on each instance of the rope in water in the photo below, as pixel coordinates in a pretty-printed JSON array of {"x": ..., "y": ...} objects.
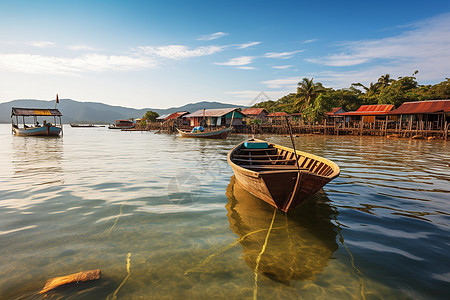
[
  {"x": 357, "y": 272},
  {"x": 117, "y": 219},
  {"x": 258, "y": 259},
  {"x": 229, "y": 246},
  {"x": 114, "y": 295}
]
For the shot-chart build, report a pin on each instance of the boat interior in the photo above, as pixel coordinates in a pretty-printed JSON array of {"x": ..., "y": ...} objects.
[{"x": 264, "y": 157}]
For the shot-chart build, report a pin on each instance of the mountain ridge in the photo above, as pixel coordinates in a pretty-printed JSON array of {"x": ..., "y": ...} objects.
[{"x": 96, "y": 112}]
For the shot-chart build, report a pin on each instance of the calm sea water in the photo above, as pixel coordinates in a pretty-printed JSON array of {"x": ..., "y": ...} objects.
[{"x": 95, "y": 197}]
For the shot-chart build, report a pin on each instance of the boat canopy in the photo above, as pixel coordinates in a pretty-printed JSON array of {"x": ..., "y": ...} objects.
[{"x": 30, "y": 112}]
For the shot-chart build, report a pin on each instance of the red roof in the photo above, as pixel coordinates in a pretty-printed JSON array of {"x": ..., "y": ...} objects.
[
  {"x": 176, "y": 115},
  {"x": 253, "y": 111},
  {"x": 217, "y": 112},
  {"x": 334, "y": 110},
  {"x": 370, "y": 110},
  {"x": 422, "y": 107},
  {"x": 277, "y": 114}
]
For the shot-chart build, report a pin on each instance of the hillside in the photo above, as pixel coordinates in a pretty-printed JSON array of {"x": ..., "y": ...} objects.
[{"x": 94, "y": 112}]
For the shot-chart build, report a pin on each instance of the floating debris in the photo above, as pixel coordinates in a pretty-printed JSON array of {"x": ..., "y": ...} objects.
[{"x": 73, "y": 278}]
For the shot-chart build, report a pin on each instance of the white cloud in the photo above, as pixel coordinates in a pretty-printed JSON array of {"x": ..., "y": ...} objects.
[
  {"x": 212, "y": 36},
  {"x": 38, "y": 64},
  {"x": 248, "y": 98},
  {"x": 238, "y": 61},
  {"x": 285, "y": 83},
  {"x": 282, "y": 67},
  {"x": 246, "y": 45},
  {"x": 247, "y": 68},
  {"x": 80, "y": 48},
  {"x": 425, "y": 47},
  {"x": 282, "y": 55},
  {"x": 310, "y": 41},
  {"x": 179, "y": 51},
  {"x": 42, "y": 44}
]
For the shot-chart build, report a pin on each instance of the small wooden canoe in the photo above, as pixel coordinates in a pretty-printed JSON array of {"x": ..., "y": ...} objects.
[
  {"x": 214, "y": 134},
  {"x": 270, "y": 172}
]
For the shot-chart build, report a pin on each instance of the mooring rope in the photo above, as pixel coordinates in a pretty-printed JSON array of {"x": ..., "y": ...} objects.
[
  {"x": 114, "y": 295},
  {"x": 117, "y": 219},
  {"x": 231, "y": 245},
  {"x": 357, "y": 272},
  {"x": 258, "y": 259}
]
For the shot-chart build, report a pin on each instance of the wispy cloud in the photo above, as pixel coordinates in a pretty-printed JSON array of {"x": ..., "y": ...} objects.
[
  {"x": 179, "y": 51},
  {"x": 237, "y": 61},
  {"x": 310, "y": 41},
  {"x": 42, "y": 44},
  {"x": 285, "y": 83},
  {"x": 246, "y": 45},
  {"x": 38, "y": 64},
  {"x": 247, "y": 68},
  {"x": 282, "y": 55},
  {"x": 80, "y": 48},
  {"x": 139, "y": 59},
  {"x": 431, "y": 39},
  {"x": 424, "y": 46},
  {"x": 212, "y": 36},
  {"x": 250, "y": 97},
  {"x": 282, "y": 67}
]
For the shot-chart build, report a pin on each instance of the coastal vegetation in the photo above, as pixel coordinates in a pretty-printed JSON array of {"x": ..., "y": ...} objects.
[{"x": 313, "y": 100}]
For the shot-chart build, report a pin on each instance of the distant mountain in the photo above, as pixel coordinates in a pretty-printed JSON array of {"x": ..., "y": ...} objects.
[{"x": 94, "y": 112}]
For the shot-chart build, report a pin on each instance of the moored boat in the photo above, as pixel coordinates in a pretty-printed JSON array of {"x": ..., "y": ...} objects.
[
  {"x": 21, "y": 125},
  {"x": 122, "y": 124},
  {"x": 276, "y": 175},
  {"x": 213, "y": 134},
  {"x": 82, "y": 125}
]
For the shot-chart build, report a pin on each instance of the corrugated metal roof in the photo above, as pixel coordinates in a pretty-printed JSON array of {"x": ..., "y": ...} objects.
[
  {"x": 210, "y": 112},
  {"x": 334, "y": 110},
  {"x": 277, "y": 114},
  {"x": 422, "y": 107},
  {"x": 253, "y": 111},
  {"x": 176, "y": 115},
  {"x": 162, "y": 117},
  {"x": 369, "y": 110},
  {"x": 16, "y": 111}
]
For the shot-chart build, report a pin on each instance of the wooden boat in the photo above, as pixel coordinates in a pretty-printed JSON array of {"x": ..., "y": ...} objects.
[
  {"x": 122, "y": 124},
  {"x": 20, "y": 119},
  {"x": 214, "y": 134},
  {"x": 270, "y": 172},
  {"x": 82, "y": 125}
]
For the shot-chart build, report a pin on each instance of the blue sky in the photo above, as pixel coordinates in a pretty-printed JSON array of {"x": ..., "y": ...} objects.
[{"x": 169, "y": 53}]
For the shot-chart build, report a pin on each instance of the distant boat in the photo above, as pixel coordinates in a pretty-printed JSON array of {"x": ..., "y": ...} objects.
[
  {"x": 122, "y": 124},
  {"x": 270, "y": 172},
  {"x": 22, "y": 126},
  {"x": 82, "y": 125},
  {"x": 213, "y": 134}
]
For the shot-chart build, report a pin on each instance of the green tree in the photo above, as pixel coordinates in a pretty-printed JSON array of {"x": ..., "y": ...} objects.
[
  {"x": 307, "y": 92},
  {"x": 385, "y": 80},
  {"x": 150, "y": 116},
  {"x": 402, "y": 90}
]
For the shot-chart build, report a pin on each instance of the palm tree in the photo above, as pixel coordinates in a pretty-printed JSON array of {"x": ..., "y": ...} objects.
[
  {"x": 371, "y": 90},
  {"x": 385, "y": 80},
  {"x": 307, "y": 92}
]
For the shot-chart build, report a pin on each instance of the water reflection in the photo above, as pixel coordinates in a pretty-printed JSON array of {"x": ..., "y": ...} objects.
[
  {"x": 37, "y": 170},
  {"x": 39, "y": 158},
  {"x": 301, "y": 243}
]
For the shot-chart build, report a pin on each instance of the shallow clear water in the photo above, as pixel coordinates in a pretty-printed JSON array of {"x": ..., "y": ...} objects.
[{"x": 91, "y": 198}]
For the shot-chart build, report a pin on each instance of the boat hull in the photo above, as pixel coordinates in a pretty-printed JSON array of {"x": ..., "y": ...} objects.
[
  {"x": 120, "y": 127},
  {"x": 215, "y": 134},
  {"x": 38, "y": 131},
  {"x": 285, "y": 188}
]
